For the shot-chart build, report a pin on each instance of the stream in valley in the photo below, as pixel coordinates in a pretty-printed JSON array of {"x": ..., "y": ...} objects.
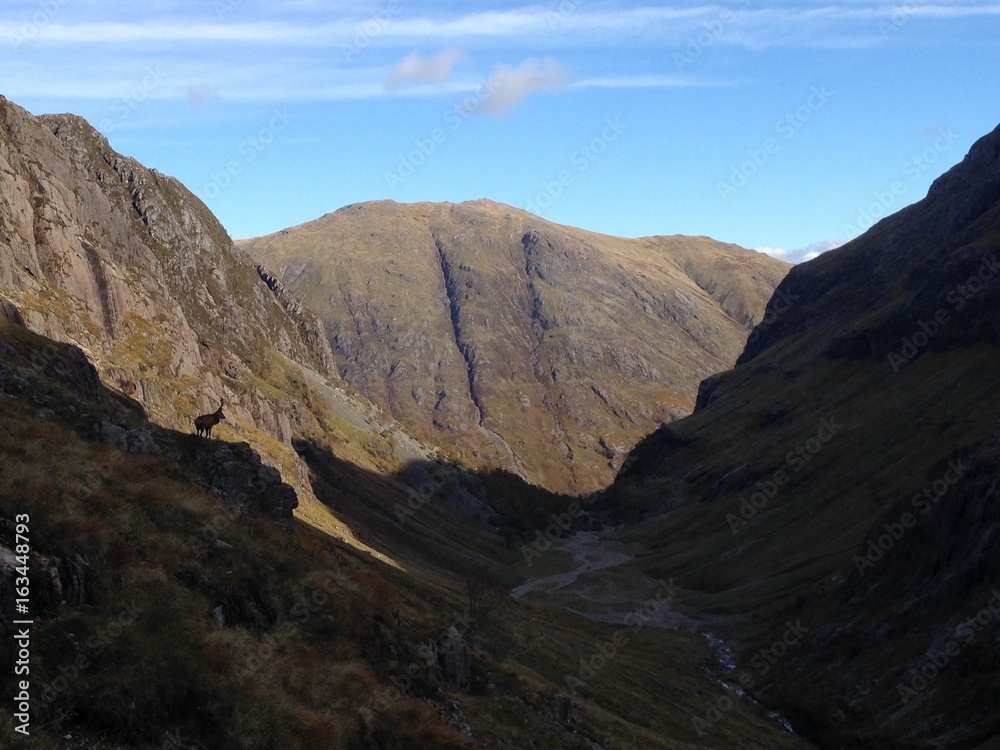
[{"x": 600, "y": 589}]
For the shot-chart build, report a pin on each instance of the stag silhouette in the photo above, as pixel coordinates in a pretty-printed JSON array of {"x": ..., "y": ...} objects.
[{"x": 206, "y": 422}]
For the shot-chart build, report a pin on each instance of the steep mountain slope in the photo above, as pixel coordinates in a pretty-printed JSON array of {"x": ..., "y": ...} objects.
[
  {"x": 843, "y": 478},
  {"x": 166, "y": 615},
  {"x": 517, "y": 342},
  {"x": 124, "y": 262},
  {"x": 103, "y": 249}
]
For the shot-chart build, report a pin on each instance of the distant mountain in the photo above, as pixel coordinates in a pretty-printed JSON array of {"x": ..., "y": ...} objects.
[
  {"x": 517, "y": 342},
  {"x": 844, "y": 477}
]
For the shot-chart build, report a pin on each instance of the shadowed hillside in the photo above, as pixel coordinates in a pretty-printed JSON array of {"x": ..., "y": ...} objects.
[
  {"x": 177, "y": 604},
  {"x": 845, "y": 475}
]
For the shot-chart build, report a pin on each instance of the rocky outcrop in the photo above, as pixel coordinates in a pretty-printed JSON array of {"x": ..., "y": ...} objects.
[
  {"x": 308, "y": 323},
  {"x": 452, "y": 654},
  {"x": 235, "y": 473},
  {"x": 10, "y": 313},
  {"x": 129, "y": 439},
  {"x": 56, "y": 578}
]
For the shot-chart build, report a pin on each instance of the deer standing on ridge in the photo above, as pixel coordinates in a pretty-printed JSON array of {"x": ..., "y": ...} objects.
[{"x": 206, "y": 422}]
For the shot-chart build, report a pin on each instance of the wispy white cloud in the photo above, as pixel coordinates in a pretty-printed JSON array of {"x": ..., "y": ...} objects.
[
  {"x": 816, "y": 249},
  {"x": 97, "y": 79},
  {"x": 508, "y": 86},
  {"x": 809, "y": 252},
  {"x": 791, "y": 25},
  {"x": 774, "y": 252},
  {"x": 297, "y": 79},
  {"x": 651, "y": 81},
  {"x": 416, "y": 69},
  {"x": 130, "y": 34},
  {"x": 951, "y": 11},
  {"x": 83, "y": 51}
]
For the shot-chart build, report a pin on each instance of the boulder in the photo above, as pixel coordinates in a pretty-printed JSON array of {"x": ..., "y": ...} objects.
[{"x": 453, "y": 658}]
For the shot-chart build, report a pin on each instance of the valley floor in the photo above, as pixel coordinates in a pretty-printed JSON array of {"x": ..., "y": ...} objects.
[{"x": 594, "y": 581}]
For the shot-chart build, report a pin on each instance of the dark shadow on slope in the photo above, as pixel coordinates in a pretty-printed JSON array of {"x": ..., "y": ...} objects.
[
  {"x": 445, "y": 514},
  {"x": 160, "y": 610},
  {"x": 62, "y": 363}
]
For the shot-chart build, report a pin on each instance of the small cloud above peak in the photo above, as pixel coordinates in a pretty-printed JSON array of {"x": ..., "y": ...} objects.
[
  {"x": 816, "y": 249},
  {"x": 803, "y": 254},
  {"x": 199, "y": 96},
  {"x": 509, "y": 86},
  {"x": 774, "y": 252},
  {"x": 414, "y": 69}
]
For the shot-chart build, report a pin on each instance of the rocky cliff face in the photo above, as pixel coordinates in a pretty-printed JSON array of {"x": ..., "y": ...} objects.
[
  {"x": 517, "y": 342},
  {"x": 844, "y": 476},
  {"x": 124, "y": 261}
]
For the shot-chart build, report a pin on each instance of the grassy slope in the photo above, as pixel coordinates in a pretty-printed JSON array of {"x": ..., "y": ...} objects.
[{"x": 310, "y": 651}]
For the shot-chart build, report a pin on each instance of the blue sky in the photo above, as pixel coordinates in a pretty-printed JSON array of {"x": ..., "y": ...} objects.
[{"x": 784, "y": 125}]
